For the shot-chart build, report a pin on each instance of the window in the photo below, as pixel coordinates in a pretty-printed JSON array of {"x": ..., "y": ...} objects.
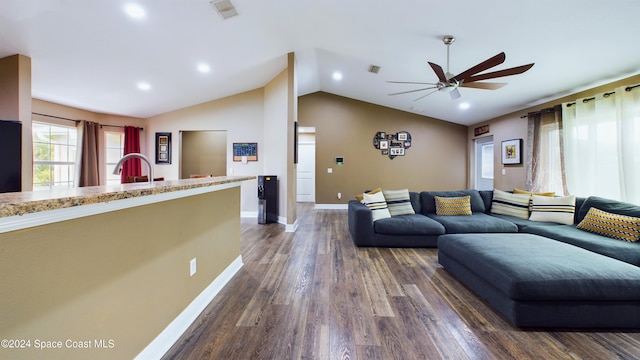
[
  {"x": 54, "y": 156},
  {"x": 114, "y": 149}
]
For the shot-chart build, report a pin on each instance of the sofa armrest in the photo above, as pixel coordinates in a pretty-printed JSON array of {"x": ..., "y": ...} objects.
[{"x": 360, "y": 223}]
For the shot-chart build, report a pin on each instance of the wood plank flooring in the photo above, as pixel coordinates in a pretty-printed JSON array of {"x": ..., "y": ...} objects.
[{"x": 313, "y": 295}]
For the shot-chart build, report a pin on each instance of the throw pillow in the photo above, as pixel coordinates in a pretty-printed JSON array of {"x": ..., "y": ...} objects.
[
  {"x": 553, "y": 209},
  {"x": 520, "y": 191},
  {"x": 516, "y": 205},
  {"x": 377, "y": 204},
  {"x": 453, "y": 206},
  {"x": 360, "y": 197},
  {"x": 398, "y": 202},
  {"x": 615, "y": 226}
]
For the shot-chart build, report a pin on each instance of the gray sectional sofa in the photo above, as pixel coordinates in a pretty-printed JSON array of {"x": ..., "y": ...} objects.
[{"x": 536, "y": 274}]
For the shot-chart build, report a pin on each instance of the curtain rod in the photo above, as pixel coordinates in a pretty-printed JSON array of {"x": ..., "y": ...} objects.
[
  {"x": 117, "y": 126},
  {"x": 543, "y": 111},
  {"x": 606, "y": 95},
  {"x": 76, "y": 121},
  {"x": 56, "y": 117}
]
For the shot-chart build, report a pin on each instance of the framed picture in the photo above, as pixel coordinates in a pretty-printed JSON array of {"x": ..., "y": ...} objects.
[
  {"x": 163, "y": 148},
  {"x": 245, "y": 152},
  {"x": 512, "y": 151},
  {"x": 397, "y": 151},
  {"x": 402, "y": 136},
  {"x": 384, "y": 144}
]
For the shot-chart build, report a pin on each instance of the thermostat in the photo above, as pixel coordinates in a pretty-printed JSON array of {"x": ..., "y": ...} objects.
[{"x": 339, "y": 160}]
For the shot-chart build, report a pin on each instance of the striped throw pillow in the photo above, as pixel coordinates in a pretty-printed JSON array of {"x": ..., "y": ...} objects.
[
  {"x": 553, "y": 209},
  {"x": 377, "y": 204},
  {"x": 398, "y": 202},
  {"x": 453, "y": 206},
  {"x": 516, "y": 205},
  {"x": 615, "y": 226}
]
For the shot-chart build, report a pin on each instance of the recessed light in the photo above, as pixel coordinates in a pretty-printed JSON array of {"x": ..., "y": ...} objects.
[
  {"x": 144, "y": 86},
  {"x": 337, "y": 76},
  {"x": 135, "y": 11},
  {"x": 204, "y": 68},
  {"x": 464, "y": 106}
]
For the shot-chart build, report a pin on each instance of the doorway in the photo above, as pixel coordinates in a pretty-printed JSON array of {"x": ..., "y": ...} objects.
[
  {"x": 306, "y": 169},
  {"x": 203, "y": 153},
  {"x": 484, "y": 163}
]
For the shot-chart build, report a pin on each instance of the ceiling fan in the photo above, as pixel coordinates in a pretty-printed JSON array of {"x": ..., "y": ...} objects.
[{"x": 447, "y": 82}]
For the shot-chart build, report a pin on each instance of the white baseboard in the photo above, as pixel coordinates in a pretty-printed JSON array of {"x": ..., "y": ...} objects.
[
  {"x": 291, "y": 227},
  {"x": 332, "y": 206},
  {"x": 163, "y": 342},
  {"x": 249, "y": 214}
]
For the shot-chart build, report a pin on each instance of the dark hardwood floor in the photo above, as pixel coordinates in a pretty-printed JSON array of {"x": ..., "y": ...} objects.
[{"x": 313, "y": 295}]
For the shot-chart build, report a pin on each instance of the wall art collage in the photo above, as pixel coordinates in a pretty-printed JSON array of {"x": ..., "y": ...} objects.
[{"x": 392, "y": 145}]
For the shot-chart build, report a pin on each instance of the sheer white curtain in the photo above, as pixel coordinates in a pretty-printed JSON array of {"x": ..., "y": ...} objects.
[{"x": 602, "y": 145}]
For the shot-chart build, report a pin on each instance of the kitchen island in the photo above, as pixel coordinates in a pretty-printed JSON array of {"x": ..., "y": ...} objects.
[{"x": 113, "y": 271}]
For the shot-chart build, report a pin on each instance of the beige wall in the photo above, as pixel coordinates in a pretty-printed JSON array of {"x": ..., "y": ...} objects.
[
  {"x": 279, "y": 117},
  {"x": 121, "y": 275},
  {"x": 512, "y": 126},
  {"x": 203, "y": 153},
  {"x": 436, "y": 160},
  {"x": 15, "y": 104},
  {"x": 241, "y": 115}
]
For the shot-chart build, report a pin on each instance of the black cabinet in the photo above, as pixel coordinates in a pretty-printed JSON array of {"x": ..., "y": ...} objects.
[
  {"x": 11, "y": 150},
  {"x": 267, "y": 199}
]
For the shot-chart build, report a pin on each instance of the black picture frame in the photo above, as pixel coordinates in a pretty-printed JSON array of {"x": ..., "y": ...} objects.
[
  {"x": 512, "y": 152},
  {"x": 163, "y": 148}
]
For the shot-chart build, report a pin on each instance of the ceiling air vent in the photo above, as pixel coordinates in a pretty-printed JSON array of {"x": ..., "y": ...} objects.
[
  {"x": 374, "y": 69},
  {"x": 224, "y": 7}
]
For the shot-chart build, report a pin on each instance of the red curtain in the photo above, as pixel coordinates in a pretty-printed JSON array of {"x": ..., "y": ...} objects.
[{"x": 132, "y": 166}]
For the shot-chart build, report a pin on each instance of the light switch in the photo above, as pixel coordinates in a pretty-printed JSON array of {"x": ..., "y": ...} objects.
[
  {"x": 504, "y": 171},
  {"x": 329, "y": 170}
]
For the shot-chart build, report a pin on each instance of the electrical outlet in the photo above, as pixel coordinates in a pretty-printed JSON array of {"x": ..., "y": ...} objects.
[{"x": 192, "y": 267}]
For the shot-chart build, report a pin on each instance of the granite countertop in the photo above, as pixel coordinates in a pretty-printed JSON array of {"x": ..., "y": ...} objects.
[{"x": 20, "y": 203}]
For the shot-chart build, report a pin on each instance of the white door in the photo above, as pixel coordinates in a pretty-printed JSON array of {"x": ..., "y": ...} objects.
[
  {"x": 484, "y": 163},
  {"x": 306, "y": 171}
]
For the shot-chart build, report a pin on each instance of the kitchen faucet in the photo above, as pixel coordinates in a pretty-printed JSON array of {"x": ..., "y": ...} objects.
[{"x": 118, "y": 167}]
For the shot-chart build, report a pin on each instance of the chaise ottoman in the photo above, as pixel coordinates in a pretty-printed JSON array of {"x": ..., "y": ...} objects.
[{"x": 534, "y": 281}]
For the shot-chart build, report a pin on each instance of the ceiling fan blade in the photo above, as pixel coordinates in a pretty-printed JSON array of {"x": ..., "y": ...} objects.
[
  {"x": 487, "y": 64},
  {"x": 410, "y": 82},
  {"x": 410, "y": 91},
  {"x": 424, "y": 96},
  {"x": 439, "y": 72},
  {"x": 454, "y": 94},
  {"x": 483, "y": 85},
  {"x": 496, "y": 74}
]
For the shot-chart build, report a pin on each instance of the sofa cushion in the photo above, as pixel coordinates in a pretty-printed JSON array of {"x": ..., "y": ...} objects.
[
  {"x": 476, "y": 223},
  {"x": 622, "y": 250},
  {"x": 398, "y": 202},
  {"x": 453, "y": 206},
  {"x": 516, "y": 205},
  {"x": 415, "y": 201},
  {"x": 408, "y": 225},
  {"x": 428, "y": 201},
  {"x": 615, "y": 226},
  {"x": 608, "y": 205},
  {"x": 520, "y": 191},
  {"x": 534, "y": 268},
  {"x": 559, "y": 209},
  {"x": 523, "y": 222},
  {"x": 377, "y": 204},
  {"x": 360, "y": 197}
]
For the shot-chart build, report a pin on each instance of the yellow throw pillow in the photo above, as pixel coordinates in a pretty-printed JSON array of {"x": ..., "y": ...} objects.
[
  {"x": 520, "y": 191},
  {"x": 453, "y": 206},
  {"x": 615, "y": 226},
  {"x": 360, "y": 197}
]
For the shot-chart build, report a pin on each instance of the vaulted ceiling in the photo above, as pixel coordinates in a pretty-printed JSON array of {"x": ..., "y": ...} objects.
[{"x": 90, "y": 54}]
